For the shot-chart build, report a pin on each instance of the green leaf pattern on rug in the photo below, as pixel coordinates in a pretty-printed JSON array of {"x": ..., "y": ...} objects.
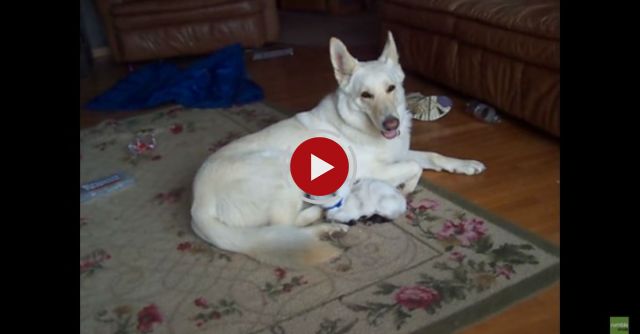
[
  {"x": 200, "y": 248},
  {"x": 336, "y": 326},
  {"x": 105, "y": 144},
  {"x": 281, "y": 285},
  {"x": 93, "y": 262},
  {"x": 405, "y": 300},
  {"x": 210, "y": 312}
]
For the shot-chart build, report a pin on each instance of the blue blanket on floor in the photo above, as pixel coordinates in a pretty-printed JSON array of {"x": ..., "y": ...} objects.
[{"x": 217, "y": 81}]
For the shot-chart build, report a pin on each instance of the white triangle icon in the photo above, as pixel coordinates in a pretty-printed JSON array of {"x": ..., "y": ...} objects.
[{"x": 318, "y": 167}]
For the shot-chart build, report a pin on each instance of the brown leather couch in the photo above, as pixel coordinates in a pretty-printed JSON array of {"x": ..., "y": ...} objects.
[
  {"x": 334, "y": 7},
  {"x": 150, "y": 29},
  {"x": 504, "y": 52}
]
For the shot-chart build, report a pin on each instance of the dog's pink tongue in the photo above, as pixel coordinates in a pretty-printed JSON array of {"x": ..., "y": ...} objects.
[{"x": 390, "y": 134}]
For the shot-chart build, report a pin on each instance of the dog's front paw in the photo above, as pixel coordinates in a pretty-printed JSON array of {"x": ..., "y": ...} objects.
[
  {"x": 330, "y": 230},
  {"x": 469, "y": 167},
  {"x": 338, "y": 230}
]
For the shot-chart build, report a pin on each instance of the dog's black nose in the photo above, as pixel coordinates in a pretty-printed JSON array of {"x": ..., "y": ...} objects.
[{"x": 391, "y": 123}]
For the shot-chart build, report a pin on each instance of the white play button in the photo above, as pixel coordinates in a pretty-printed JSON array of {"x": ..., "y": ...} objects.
[{"x": 318, "y": 167}]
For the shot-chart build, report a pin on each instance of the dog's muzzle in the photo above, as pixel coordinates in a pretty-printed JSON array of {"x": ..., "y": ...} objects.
[{"x": 390, "y": 126}]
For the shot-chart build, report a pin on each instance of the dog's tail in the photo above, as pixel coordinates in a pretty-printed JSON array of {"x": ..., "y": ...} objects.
[{"x": 280, "y": 245}]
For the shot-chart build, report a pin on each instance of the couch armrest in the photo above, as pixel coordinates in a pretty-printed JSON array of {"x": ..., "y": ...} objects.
[{"x": 104, "y": 8}]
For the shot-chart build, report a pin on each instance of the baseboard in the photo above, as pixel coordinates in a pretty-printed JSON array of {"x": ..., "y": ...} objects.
[{"x": 100, "y": 52}]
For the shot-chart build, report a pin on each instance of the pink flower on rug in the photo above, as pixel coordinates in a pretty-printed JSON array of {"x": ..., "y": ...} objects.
[
  {"x": 214, "y": 311},
  {"x": 148, "y": 317},
  {"x": 176, "y": 128},
  {"x": 472, "y": 230},
  {"x": 280, "y": 273},
  {"x": 456, "y": 256},
  {"x": 447, "y": 230},
  {"x": 410, "y": 215},
  {"x": 424, "y": 204},
  {"x": 505, "y": 271},
  {"x": 201, "y": 302},
  {"x": 93, "y": 261},
  {"x": 169, "y": 197},
  {"x": 172, "y": 196},
  {"x": 466, "y": 231},
  {"x": 184, "y": 246},
  {"x": 413, "y": 297},
  {"x": 86, "y": 265}
]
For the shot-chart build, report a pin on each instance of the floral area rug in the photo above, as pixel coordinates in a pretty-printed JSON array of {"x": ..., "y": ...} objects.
[{"x": 444, "y": 266}]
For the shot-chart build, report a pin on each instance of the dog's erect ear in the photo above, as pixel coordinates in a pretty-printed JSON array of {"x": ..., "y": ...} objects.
[
  {"x": 343, "y": 62},
  {"x": 390, "y": 53}
]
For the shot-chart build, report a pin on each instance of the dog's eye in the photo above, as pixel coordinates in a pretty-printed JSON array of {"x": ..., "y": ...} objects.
[
  {"x": 391, "y": 89},
  {"x": 366, "y": 95}
]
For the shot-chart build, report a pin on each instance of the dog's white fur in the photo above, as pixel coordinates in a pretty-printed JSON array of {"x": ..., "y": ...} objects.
[{"x": 243, "y": 200}]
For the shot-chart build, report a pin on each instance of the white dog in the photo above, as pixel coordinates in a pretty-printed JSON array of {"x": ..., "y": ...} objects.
[{"x": 243, "y": 199}]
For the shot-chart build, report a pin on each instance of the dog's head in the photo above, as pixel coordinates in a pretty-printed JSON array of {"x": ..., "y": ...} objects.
[{"x": 373, "y": 88}]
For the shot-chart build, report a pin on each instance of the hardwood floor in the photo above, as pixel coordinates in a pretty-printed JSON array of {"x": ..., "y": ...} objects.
[{"x": 521, "y": 183}]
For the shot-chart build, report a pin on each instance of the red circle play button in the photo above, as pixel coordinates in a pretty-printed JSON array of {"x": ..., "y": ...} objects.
[{"x": 319, "y": 166}]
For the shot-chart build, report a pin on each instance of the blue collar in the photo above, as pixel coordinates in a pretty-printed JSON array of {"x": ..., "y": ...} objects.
[{"x": 335, "y": 206}]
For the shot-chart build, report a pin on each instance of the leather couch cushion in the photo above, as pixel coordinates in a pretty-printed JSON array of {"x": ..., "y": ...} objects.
[
  {"x": 514, "y": 28},
  {"x": 159, "y": 6},
  {"x": 186, "y": 14}
]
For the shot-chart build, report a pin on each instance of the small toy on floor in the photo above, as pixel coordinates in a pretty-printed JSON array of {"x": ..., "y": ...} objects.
[
  {"x": 143, "y": 143},
  {"x": 272, "y": 52},
  {"x": 105, "y": 186},
  {"x": 483, "y": 112},
  {"x": 428, "y": 108},
  {"x": 369, "y": 200}
]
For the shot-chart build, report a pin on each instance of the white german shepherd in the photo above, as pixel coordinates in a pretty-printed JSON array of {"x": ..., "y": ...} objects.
[{"x": 243, "y": 200}]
